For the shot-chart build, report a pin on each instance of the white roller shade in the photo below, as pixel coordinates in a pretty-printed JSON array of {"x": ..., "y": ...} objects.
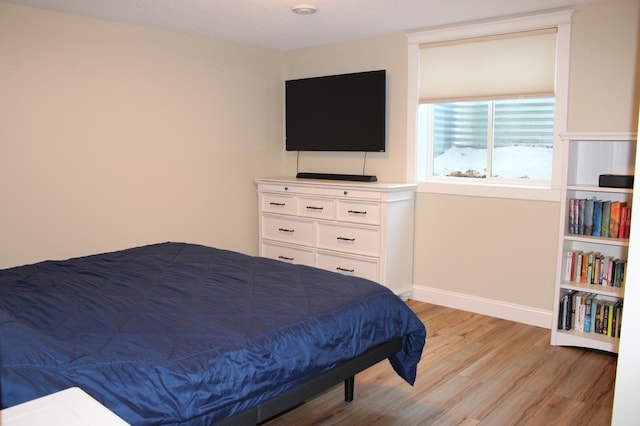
[{"x": 521, "y": 64}]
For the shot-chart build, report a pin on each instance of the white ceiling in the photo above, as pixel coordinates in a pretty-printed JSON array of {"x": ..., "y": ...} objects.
[{"x": 271, "y": 24}]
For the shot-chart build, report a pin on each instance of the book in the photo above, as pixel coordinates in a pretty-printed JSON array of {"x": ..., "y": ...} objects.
[
  {"x": 611, "y": 310},
  {"x": 615, "y": 322},
  {"x": 610, "y": 270},
  {"x": 581, "y": 206},
  {"x": 588, "y": 303},
  {"x": 618, "y": 274},
  {"x": 567, "y": 310},
  {"x": 619, "y": 318},
  {"x": 594, "y": 304},
  {"x": 588, "y": 217},
  {"x": 598, "y": 317},
  {"x": 605, "y": 317},
  {"x": 614, "y": 218},
  {"x": 580, "y": 311},
  {"x": 597, "y": 218},
  {"x": 589, "y": 273},
  {"x": 578, "y": 267},
  {"x": 564, "y": 308},
  {"x": 597, "y": 269},
  {"x": 572, "y": 216},
  {"x": 570, "y": 265},
  {"x": 622, "y": 231},
  {"x": 606, "y": 212},
  {"x": 628, "y": 224}
]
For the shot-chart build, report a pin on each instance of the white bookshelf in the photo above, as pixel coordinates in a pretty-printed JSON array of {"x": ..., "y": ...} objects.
[{"x": 587, "y": 156}]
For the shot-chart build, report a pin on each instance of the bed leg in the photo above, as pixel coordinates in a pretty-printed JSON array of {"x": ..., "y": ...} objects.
[{"x": 349, "y": 385}]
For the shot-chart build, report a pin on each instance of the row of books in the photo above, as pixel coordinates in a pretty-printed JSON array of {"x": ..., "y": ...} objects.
[
  {"x": 599, "y": 218},
  {"x": 594, "y": 268},
  {"x": 589, "y": 313}
]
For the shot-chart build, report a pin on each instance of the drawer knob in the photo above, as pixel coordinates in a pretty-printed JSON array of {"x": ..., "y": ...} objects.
[
  {"x": 339, "y": 268},
  {"x": 346, "y": 239},
  {"x": 315, "y": 208},
  {"x": 357, "y": 212},
  {"x": 285, "y": 230},
  {"x": 277, "y": 204},
  {"x": 286, "y": 258}
]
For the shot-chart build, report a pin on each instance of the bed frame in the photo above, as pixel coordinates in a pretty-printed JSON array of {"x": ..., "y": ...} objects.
[{"x": 344, "y": 372}]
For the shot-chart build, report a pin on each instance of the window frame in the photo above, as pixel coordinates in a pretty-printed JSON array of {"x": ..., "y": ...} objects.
[{"x": 417, "y": 154}]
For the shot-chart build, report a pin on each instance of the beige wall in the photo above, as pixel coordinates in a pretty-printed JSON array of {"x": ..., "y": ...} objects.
[
  {"x": 115, "y": 135},
  {"x": 497, "y": 249},
  {"x": 605, "y": 67}
]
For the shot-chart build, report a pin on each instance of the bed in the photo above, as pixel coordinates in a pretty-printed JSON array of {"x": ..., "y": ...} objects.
[{"x": 177, "y": 333}]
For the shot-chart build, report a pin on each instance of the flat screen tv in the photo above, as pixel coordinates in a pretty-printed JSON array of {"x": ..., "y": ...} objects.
[{"x": 345, "y": 112}]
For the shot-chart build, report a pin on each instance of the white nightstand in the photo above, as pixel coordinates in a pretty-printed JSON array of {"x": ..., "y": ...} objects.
[{"x": 70, "y": 407}]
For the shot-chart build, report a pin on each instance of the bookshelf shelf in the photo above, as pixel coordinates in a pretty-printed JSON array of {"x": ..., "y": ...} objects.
[
  {"x": 593, "y": 281},
  {"x": 604, "y": 189},
  {"x": 623, "y": 242},
  {"x": 587, "y": 340},
  {"x": 594, "y": 288}
]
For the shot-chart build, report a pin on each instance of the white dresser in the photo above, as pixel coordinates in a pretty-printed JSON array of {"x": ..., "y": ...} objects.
[{"x": 355, "y": 228}]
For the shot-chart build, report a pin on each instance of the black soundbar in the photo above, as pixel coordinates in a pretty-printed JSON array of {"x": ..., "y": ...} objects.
[{"x": 333, "y": 176}]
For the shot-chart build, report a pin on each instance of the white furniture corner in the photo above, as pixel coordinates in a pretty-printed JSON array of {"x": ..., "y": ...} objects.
[
  {"x": 363, "y": 229},
  {"x": 69, "y": 407}
]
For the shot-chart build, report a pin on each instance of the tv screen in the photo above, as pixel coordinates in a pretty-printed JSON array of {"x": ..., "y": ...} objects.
[{"x": 345, "y": 112}]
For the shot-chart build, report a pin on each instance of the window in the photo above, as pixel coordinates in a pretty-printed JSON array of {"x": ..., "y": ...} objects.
[
  {"x": 490, "y": 99},
  {"x": 502, "y": 139}
]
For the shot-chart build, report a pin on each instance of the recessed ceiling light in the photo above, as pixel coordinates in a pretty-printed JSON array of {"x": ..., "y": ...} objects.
[{"x": 304, "y": 9}]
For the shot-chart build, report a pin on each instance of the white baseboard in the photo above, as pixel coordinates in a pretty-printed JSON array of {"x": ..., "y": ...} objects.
[{"x": 494, "y": 308}]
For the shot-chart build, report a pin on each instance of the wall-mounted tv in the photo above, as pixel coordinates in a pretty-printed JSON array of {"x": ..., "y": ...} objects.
[{"x": 345, "y": 112}]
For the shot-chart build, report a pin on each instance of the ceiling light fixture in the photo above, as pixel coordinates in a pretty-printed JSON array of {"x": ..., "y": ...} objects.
[{"x": 304, "y": 9}]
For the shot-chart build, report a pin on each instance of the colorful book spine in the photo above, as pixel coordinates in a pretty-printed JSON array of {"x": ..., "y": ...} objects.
[
  {"x": 597, "y": 218},
  {"x": 588, "y": 217},
  {"x": 606, "y": 214},
  {"x": 614, "y": 219}
]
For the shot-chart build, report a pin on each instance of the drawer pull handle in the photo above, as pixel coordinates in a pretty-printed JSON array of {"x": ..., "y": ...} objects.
[
  {"x": 346, "y": 239},
  {"x": 285, "y": 230},
  {"x": 285, "y": 258},
  {"x": 277, "y": 204},
  {"x": 357, "y": 212},
  {"x": 339, "y": 268},
  {"x": 315, "y": 208}
]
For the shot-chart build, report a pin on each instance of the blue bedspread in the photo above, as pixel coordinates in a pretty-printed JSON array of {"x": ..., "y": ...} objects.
[{"x": 178, "y": 333}]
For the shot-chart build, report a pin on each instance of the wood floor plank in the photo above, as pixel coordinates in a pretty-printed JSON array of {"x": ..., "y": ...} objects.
[{"x": 475, "y": 371}]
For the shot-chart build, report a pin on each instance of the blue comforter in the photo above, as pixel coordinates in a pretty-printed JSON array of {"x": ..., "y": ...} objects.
[{"x": 178, "y": 333}]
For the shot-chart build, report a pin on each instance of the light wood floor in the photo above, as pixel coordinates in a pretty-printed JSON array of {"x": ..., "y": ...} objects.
[{"x": 475, "y": 370}]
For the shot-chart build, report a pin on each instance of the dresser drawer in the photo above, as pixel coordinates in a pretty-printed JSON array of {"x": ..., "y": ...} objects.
[
  {"x": 296, "y": 255},
  {"x": 321, "y": 208},
  {"x": 277, "y": 203},
  {"x": 349, "y": 239},
  {"x": 282, "y": 228},
  {"x": 346, "y": 265},
  {"x": 358, "y": 212}
]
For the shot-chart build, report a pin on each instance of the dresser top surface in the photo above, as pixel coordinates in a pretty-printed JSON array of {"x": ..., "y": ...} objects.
[{"x": 362, "y": 186}]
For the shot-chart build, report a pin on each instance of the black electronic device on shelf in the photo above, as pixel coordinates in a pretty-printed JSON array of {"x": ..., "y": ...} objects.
[{"x": 334, "y": 176}]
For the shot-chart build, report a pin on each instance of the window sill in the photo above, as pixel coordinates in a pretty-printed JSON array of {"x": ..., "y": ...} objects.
[{"x": 514, "y": 192}]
